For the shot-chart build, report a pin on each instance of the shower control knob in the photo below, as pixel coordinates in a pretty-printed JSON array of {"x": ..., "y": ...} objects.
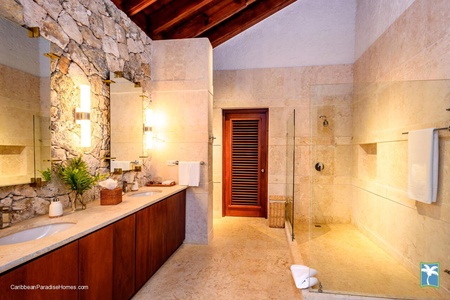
[{"x": 319, "y": 166}]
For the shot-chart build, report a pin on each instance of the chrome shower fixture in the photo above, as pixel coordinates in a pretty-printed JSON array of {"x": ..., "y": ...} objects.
[{"x": 325, "y": 122}]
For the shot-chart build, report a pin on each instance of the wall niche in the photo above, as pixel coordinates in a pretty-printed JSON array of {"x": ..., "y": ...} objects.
[{"x": 367, "y": 161}]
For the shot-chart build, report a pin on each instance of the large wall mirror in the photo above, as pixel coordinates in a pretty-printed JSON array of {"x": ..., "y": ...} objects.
[
  {"x": 126, "y": 119},
  {"x": 24, "y": 105}
]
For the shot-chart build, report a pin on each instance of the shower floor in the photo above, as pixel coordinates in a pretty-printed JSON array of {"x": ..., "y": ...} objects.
[{"x": 350, "y": 263}]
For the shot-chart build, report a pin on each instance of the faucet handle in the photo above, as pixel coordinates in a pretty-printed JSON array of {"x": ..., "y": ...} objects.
[{"x": 5, "y": 216}]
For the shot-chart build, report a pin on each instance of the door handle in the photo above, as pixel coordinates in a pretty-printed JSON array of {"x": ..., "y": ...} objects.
[{"x": 262, "y": 170}]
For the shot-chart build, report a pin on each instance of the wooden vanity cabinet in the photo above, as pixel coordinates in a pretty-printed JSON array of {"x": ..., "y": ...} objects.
[
  {"x": 52, "y": 276},
  {"x": 124, "y": 258},
  {"x": 150, "y": 241},
  {"x": 107, "y": 261},
  {"x": 160, "y": 230},
  {"x": 96, "y": 257},
  {"x": 176, "y": 222},
  {"x": 113, "y": 262}
]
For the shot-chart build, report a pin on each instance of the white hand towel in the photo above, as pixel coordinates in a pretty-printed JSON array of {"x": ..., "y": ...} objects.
[
  {"x": 423, "y": 159},
  {"x": 189, "y": 173}
]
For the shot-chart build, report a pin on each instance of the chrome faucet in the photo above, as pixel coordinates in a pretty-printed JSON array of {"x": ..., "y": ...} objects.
[
  {"x": 125, "y": 186},
  {"x": 5, "y": 217}
]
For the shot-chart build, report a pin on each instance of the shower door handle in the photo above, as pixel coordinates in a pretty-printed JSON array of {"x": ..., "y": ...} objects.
[{"x": 262, "y": 170}]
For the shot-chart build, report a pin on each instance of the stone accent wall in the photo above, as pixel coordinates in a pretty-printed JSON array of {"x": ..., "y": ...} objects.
[{"x": 92, "y": 38}]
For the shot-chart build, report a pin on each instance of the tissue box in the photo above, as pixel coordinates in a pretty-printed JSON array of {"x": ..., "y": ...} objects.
[{"x": 110, "y": 197}]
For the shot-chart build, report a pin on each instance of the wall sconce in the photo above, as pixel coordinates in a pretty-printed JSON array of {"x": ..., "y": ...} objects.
[
  {"x": 82, "y": 115},
  {"x": 148, "y": 128}
]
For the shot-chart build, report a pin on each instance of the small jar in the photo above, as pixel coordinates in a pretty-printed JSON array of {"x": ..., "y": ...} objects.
[
  {"x": 55, "y": 209},
  {"x": 135, "y": 186}
]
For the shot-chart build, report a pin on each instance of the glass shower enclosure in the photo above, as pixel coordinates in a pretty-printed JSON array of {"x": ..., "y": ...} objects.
[
  {"x": 290, "y": 169},
  {"x": 363, "y": 234}
]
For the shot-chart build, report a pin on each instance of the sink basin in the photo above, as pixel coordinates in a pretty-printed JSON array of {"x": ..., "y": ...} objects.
[
  {"x": 145, "y": 194},
  {"x": 34, "y": 233}
]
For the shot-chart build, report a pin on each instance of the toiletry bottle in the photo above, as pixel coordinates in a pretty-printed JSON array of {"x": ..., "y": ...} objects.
[
  {"x": 55, "y": 209},
  {"x": 135, "y": 186}
]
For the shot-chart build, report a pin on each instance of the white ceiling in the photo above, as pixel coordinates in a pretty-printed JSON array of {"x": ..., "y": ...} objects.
[{"x": 310, "y": 33}]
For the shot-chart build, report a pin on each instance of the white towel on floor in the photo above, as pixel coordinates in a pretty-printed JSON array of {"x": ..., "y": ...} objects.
[
  {"x": 423, "y": 159},
  {"x": 303, "y": 276},
  {"x": 189, "y": 173}
]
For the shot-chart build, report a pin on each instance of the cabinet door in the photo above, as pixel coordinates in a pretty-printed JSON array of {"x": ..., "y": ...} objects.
[
  {"x": 176, "y": 222},
  {"x": 181, "y": 223},
  {"x": 53, "y": 276},
  {"x": 96, "y": 264},
  {"x": 158, "y": 221},
  {"x": 142, "y": 246},
  {"x": 124, "y": 258},
  {"x": 150, "y": 241}
]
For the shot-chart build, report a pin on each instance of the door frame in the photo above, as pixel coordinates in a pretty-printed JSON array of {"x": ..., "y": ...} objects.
[{"x": 263, "y": 180}]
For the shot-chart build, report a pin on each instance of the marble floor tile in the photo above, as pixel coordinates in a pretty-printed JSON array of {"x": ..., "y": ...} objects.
[{"x": 245, "y": 260}]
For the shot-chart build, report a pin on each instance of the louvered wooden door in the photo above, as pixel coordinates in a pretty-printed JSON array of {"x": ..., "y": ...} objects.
[{"x": 245, "y": 163}]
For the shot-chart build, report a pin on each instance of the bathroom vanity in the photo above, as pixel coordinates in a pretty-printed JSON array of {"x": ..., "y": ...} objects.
[{"x": 109, "y": 253}]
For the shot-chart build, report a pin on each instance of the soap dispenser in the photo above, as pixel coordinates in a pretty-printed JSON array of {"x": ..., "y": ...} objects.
[{"x": 55, "y": 209}]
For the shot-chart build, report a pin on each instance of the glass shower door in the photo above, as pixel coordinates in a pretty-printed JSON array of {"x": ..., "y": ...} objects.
[{"x": 290, "y": 166}]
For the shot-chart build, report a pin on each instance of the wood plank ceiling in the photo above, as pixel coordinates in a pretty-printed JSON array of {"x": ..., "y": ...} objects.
[{"x": 218, "y": 20}]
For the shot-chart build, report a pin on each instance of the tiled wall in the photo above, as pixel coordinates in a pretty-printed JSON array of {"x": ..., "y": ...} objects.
[
  {"x": 331, "y": 146},
  {"x": 19, "y": 101},
  {"x": 282, "y": 90},
  {"x": 402, "y": 83},
  {"x": 182, "y": 97}
]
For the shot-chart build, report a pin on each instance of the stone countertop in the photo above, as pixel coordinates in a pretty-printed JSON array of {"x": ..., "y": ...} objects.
[{"x": 93, "y": 218}]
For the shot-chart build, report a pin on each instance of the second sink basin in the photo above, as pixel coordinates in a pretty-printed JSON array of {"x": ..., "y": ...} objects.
[
  {"x": 145, "y": 194},
  {"x": 34, "y": 233}
]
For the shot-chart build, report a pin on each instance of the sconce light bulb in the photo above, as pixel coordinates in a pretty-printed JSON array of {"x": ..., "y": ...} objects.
[
  {"x": 85, "y": 127},
  {"x": 148, "y": 140},
  {"x": 85, "y": 98},
  {"x": 83, "y": 115},
  {"x": 149, "y": 117}
]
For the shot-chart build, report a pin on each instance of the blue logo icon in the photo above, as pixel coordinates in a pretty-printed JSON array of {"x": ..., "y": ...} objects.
[{"x": 429, "y": 274}]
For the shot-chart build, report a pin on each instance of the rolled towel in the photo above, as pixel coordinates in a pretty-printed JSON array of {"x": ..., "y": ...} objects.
[
  {"x": 301, "y": 272},
  {"x": 307, "y": 283},
  {"x": 303, "y": 276}
]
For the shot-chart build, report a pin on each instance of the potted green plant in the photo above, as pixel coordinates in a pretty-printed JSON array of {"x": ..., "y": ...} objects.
[{"x": 76, "y": 175}]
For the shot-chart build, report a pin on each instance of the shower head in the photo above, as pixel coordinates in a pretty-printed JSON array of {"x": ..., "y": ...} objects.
[{"x": 325, "y": 122}]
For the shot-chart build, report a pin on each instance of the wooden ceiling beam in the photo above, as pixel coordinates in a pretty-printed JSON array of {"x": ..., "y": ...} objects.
[
  {"x": 141, "y": 21},
  {"x": 133, "y": 7},
  {"x": 174, "y": 13},
  {"x": 217, "y": 13},
  {"x": 118, "y": 3},
  {"x": 243, "y": 20}
]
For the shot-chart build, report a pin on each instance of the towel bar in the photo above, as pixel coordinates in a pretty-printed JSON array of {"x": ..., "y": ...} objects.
[
  {"x": 442, "y": 128},
  {"x": 176, "y": 162}
]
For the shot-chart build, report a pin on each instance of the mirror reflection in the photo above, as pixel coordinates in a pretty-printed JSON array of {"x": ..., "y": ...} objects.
[
  {"x": 126, "y": 120},
  {"x": 24, "y": 105}
]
